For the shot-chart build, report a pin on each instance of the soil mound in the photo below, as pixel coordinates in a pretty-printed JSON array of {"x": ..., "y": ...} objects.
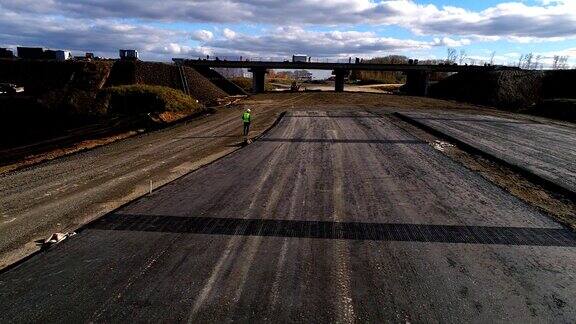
[
  {"x": 508, "y": 90},
  {"x": 57, "y": 87},
  {"x": 138, "y": 99},
  {"x": 75, "y": 97},
  {"x": 167, "y": 75},
  {"x": 37, "y": 77}
]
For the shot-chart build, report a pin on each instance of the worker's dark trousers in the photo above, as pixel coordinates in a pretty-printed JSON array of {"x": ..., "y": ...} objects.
[{"x": 246, "y": 128}]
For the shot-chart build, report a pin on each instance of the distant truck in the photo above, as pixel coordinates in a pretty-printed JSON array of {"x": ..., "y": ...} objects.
[
  {"x": 38, "y": 53},
  {"x": 301, "y": 58},
  {"x": 58, "y": 55},
  {"x": 63, "y": 55},
  {"x": 30, "y": 53},
  {"x": 129, "y": 54},
  {"x": 6, "y": 53}
]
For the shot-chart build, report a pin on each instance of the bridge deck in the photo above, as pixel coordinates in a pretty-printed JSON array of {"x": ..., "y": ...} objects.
[{"x": 337, "y": 66}]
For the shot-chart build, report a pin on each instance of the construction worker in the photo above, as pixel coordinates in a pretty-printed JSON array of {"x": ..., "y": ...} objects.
[{"x": 246, "y": 118}]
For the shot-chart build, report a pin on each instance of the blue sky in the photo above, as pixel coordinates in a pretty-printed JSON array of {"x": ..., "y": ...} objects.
[{"x": 324, "y": 29}]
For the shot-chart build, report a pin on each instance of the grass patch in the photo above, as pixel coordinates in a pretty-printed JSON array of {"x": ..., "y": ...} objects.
[{"x": 141, "y": 98}]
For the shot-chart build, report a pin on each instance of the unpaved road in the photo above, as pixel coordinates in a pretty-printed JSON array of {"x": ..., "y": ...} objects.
[
  {"x": 332, "y": 216},
  {"x": 545, "y": 149}
]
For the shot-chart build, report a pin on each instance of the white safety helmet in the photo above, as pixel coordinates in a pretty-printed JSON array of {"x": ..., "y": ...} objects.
[{"x": 248, "y": 110}]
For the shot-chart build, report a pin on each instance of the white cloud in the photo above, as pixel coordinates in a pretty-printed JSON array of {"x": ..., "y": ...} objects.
[
  {"x": 106, "y": 36},
  {"x": 228, "y": 33},
  {"x": 106, "y": 25},
  {"x": 202, "y": 35},
  {"x": 285, "y": 41},
  {"x": 102, "y": 36},
  {"x": 515, "y": 20},
  {"x": 449, "y": 42}
]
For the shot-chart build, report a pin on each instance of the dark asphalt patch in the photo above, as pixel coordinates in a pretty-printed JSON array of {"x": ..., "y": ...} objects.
[
  {"x": 331, "y": 140},
  {"x": 339, "y": 230}
]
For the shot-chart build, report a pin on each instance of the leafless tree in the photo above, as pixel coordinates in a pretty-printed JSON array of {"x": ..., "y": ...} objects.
[
  {"x": 462, "y": 57},
  {"x": 492, "y": 57},
  {"x": 560, "y": 62},
  {"x": 526, "y": 61},
  {"x": 537, "y": 65},
  {"x": 452, "y": 56}
]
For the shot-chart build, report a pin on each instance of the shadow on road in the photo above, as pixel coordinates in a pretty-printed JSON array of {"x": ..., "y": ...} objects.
[
  {"x": 339, "y": 230},
  {"x": 332, "y": 140}
]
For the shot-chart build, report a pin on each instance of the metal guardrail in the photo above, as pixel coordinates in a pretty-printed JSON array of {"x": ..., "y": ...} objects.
[{"x": 272, "y": 59}]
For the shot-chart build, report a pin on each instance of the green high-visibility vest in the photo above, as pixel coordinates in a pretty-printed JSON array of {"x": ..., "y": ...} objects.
[{"x": 246, "y": 117}]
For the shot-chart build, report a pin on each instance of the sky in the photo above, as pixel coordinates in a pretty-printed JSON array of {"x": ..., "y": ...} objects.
[{"x": 270, "y": 29}]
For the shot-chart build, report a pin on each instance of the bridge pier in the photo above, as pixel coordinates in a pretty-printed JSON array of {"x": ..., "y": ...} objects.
[
  {"x": 340, "y": 76},
  {"x": 417, "y": 83},
  {"x": 258, "y": 79}
]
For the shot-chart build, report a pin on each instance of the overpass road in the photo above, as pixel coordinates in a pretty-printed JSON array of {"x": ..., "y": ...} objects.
[{"x": 331, "y": 216}]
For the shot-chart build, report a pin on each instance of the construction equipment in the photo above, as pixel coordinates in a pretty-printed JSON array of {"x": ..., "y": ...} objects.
[{"x": 295, "y": 87}]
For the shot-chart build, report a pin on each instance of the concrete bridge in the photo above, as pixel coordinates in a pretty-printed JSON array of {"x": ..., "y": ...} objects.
[{"x": 417, "y": 75}]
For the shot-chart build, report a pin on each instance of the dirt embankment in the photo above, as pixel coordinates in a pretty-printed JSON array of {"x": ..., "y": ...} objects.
[
  {"x": 167, "y": 75},
  {"x": 74, "y": 99},
  {"x": 509, "y": 90},
  {"x": 58, "y": 96},
  {"x": 58, "y": 87},
  {"x": 546, "y": 93},
  {"x": 222, "y": 82}
]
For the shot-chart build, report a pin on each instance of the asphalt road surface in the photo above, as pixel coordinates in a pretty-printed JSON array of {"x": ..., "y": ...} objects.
[
  {"x": 338, "y": 216},
  {"x": 545, "y": 149}
]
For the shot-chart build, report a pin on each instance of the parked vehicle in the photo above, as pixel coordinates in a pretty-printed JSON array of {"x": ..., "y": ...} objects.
[{"x": 300, "y": 58}]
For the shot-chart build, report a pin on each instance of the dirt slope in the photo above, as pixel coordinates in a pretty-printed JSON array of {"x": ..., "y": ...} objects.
[
  {"x": 509, "y": 90},
  {"x": 168, "y": 75}
]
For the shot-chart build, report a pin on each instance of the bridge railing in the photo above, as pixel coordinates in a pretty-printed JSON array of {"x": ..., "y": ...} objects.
[{"x": 311, "y": 59}]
